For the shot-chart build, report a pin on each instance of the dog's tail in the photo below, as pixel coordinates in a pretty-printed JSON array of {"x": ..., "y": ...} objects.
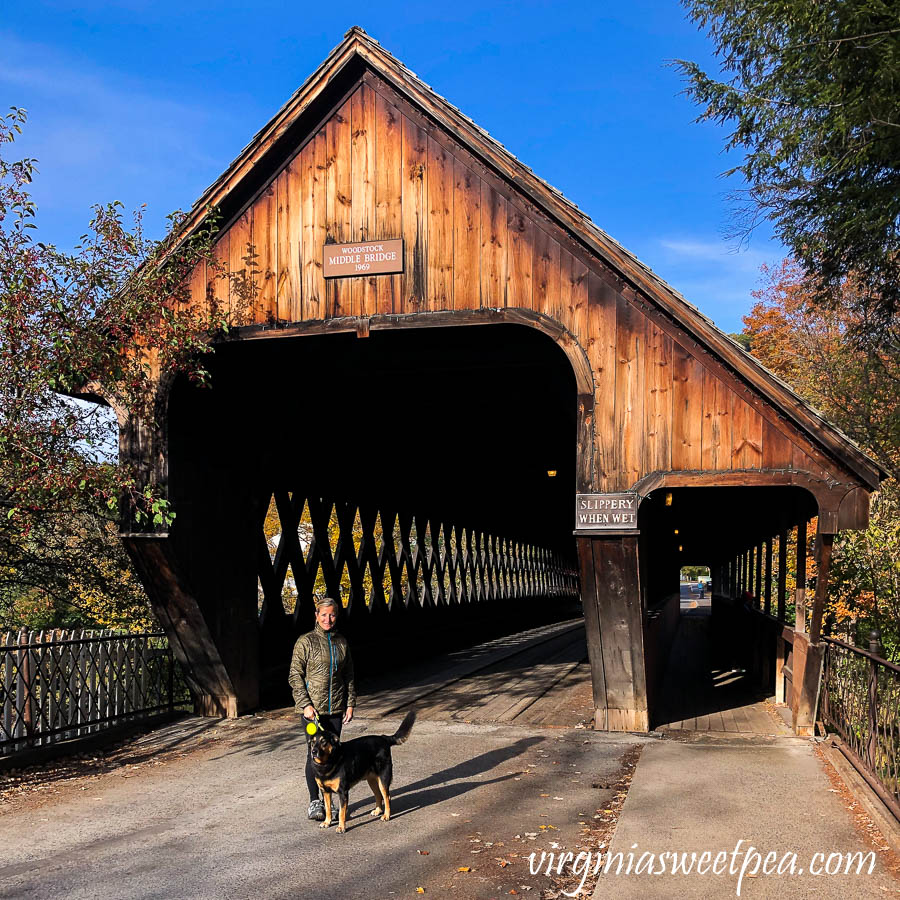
[{"x": 402, "y": 733}]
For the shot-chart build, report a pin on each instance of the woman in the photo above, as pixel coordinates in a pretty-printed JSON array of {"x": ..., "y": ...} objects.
[{"x": 321, "y": 678}]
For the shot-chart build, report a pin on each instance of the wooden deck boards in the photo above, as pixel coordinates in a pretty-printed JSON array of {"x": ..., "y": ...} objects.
[
  {"x": 537, "y": 678},
  {"x": 542, "y": 677},
  {"x": 697, "y": 698}
]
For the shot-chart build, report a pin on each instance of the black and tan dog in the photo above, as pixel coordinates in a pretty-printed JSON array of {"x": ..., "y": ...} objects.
[{"x": 337, "y": 767}]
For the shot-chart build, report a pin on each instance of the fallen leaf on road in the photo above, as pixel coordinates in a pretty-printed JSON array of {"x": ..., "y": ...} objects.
[
  {"x": 557, "y": 798},
  {"x": 544, "y": 795},
  {"x": 420, "y": 890},
  {"x": 454, "y": 814},
  {"x": 503, "y": 862},
  {"x": 464, "y": 869}
]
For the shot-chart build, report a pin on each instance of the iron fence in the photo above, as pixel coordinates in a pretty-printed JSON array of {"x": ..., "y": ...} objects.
[
  {"x": 860, "y": 701},
  {"x": 64, "y": 684}
]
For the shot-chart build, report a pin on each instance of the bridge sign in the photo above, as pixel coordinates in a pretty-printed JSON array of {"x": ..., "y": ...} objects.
[
  {"x": 363, "y": 258},
  {"x": 606, "y": 512}
]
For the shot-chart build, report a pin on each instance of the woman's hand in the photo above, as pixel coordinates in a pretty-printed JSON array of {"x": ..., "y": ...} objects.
[
  {"x": 309, "y": 712},
  {"x": 348, "y": 715}
]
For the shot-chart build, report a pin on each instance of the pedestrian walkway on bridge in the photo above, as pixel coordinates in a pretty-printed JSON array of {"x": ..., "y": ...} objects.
[{"x": 698, "y": 697}]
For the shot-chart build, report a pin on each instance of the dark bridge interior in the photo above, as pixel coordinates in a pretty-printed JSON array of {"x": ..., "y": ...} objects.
[{"x": 407, "y": 471}]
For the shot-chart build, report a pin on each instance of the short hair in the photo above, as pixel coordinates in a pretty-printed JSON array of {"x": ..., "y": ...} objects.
[{"x": 327, "y": 601}]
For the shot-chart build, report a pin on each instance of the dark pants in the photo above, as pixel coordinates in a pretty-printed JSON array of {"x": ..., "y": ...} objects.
[{"x": 332, "y": 724}]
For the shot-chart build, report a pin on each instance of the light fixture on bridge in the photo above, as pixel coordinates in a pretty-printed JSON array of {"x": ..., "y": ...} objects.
[
  {"x": 668, "y": 498},
  {"x": 680, "y": 548},
  {"x": 676, "y": 531},
  {"x": 551, "y": 473}
]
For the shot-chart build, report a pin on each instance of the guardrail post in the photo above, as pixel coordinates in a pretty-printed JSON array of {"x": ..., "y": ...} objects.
[
  {"x": 26, "y": 696},
  {"x": 872, "y": 743},
  {"x": 171, "y": 657}
]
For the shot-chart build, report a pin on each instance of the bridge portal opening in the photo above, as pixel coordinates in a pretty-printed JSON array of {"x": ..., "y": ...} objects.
[
  {"x": 706, "y": 641},
  {"x": 424, "y": 476}
]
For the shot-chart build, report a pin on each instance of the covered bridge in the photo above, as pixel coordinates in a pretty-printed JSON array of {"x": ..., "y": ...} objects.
[{"x": 454, "y": 395}]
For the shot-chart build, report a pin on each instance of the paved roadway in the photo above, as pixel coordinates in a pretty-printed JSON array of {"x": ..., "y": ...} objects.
[
  {"x": 499, "y": 765},
  {"x": 221, "y": 814}
]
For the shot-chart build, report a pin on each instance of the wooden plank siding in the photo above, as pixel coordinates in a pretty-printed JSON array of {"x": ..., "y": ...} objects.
[
  {"x": 388, "y": 195},
  {"x": 376, "y": 168}
]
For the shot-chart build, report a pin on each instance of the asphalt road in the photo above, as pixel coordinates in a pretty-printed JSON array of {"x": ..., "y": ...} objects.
[{"x": 222, "y": 814}]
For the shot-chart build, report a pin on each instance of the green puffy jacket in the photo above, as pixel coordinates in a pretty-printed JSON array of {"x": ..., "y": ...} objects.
[{"x": 322, "y": 672}]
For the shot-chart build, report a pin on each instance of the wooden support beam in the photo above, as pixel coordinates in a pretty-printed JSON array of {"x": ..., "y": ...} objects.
[
  {"x": 767, "y": 585},
  {"x": 782, "y": 573},
  {"x": 757, "y": 578},
  {"x": 751, "y": 568},
  {"x": 823, "y": 566},
  {"x": 179, "y": 614},
  {"x": 808, "y": 658},
  {"x": 800, "y": 590},
  {"x": 611, "y": 593}
]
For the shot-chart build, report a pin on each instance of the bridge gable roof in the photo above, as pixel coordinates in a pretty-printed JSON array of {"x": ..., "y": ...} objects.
[{"x": 342, "y": 70}]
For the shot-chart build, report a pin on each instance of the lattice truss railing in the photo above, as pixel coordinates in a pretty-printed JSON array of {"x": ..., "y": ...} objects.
[
  {"x": 861, "y": 702},
  {"x": 59, "y": 685},
  {"x": 366, "y": 556}
]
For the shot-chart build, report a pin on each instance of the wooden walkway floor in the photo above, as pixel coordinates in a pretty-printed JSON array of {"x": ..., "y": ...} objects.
[
  {"x": 537, "y": 677},
  {"x": 542, "y": 677},
  {"x": 698, "y": 698}
]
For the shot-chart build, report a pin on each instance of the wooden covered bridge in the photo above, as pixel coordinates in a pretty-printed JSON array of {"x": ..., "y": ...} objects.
[{"x": 463, "y": 406}]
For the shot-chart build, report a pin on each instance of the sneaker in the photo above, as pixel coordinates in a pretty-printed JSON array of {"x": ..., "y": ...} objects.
[{"x": 316, "y": 811}]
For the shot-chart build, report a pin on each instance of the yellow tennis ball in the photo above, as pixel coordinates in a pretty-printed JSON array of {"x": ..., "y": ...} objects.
[{"x": 311, "y": 728}]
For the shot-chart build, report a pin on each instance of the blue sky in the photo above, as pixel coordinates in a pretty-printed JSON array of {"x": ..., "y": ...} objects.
[{"x": 148, "y": 103}]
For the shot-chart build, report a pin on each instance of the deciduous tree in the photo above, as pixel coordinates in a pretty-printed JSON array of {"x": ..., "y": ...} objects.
[
  {"x": 810, "y": 91},
  {"x": 104, "y": 319},
  {"x": 858, "y": 388}
]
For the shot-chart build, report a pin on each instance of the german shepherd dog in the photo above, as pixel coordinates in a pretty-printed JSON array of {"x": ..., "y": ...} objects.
[{"x": 337, "y": 767}]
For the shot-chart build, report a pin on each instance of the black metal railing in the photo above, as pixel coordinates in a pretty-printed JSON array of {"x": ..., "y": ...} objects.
[
  {"x": 65, "y": 684},
  {"x": 860, "y": 702}
]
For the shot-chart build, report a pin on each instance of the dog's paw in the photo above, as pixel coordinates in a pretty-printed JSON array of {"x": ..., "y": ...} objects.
[
  {"x": 377, "y": 811},
  {"x": 325, "y": 824},
  {"x": 341, "y": 829},
  {"x": 386, "y": 817}
]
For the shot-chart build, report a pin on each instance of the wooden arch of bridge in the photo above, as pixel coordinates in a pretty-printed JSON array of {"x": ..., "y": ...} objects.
[{"x": 664, "y": 402}]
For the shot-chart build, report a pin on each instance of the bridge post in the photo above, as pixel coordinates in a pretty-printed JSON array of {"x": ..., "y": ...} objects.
[{"x": 613, "y": 614}]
